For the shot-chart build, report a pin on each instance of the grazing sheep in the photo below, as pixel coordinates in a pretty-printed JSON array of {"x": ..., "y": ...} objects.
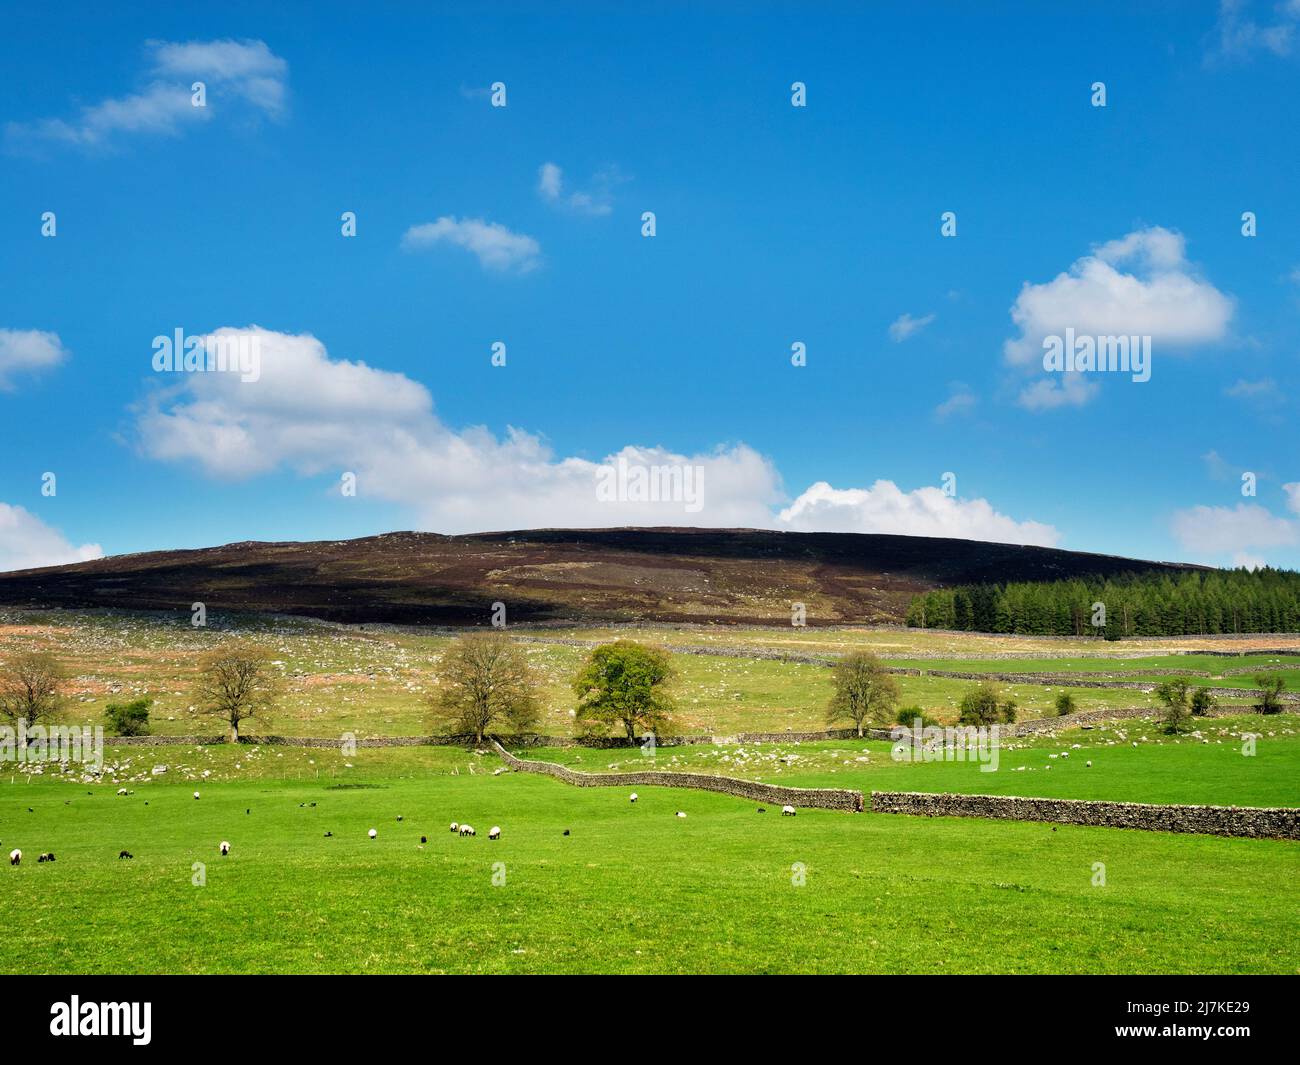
[
  {"x": 44, "y": 858},
  {"x": 225, "y": 848},
  {"x": 467, "y": 830},
  {"x": 494, "y": 832},
  {"x": 196, "y": 794},
  {"x": 680, "y": 814},
  {"x": 372, "y": 833},
  {"x": 121, "y": 791},
  {"x": 329, "y": 835},
  {"x": 399, "y": 817},
  {"x": 633, "y": 797},
  {"x": 787, "y": 811},
  {"x": 762, "y": 810},
  {"x": 15, "y": 856},
  {"x": 566, "y": 831},
  {"x": 1089, "y": 763},
  {"x": 423, "y": 839},
  {"x": 455, "y": 827},
  {"x": 125, "y": 854}
]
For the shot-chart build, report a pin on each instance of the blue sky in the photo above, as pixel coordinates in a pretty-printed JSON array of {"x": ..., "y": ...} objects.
[{"x": 775, "y": 224}]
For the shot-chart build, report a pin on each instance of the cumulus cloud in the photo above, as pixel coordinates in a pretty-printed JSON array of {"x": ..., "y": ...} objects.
[
  {"x": 316, "y": 415},
  {"x": 244, "y": 72},
  {"x": 1139, "y": 285},
  {"x": 496, "y": 247},
  {"x": 26, "y": 542},
  {"x": 905, "y": 326},
  {"x": 1216, "y": 530},
  {"x": 597, "y": 200},
  {"x": 27, "y": 350},
  {"x": 886, "y": 508},
  {"x": 321, "y": 416}
]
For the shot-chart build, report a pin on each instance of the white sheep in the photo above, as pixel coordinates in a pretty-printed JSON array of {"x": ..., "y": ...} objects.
[
  {"x": 121, "y": 791},
  {"x": 680, "y": 814},
  {"x": 372, "y": 833},
  {"x": 1089, "y": 763},
  {"x": 466, "y": 830},
  {"x": 787, "y": 811},
  {"x": 632, "y": 798},
  {"x": 455, "y": 827},
  {"x": 494, "y": 832},
  {"x": 225, "y": 847},
  {"x": 15, "y": 856},
  {"x": 196, "y": 794}
]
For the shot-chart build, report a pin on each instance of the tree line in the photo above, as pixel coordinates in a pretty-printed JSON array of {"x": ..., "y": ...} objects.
[{"x": 1181, "y": 603}]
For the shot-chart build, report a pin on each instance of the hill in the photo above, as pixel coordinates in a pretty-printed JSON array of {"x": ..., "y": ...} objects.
[{"x": 655, "y": 574}]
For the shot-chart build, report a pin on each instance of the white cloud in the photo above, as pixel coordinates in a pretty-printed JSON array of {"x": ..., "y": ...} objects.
[
  {"x": 244, "y": 71},
  {"x": 1263, "y": 392},
  {"x": 886, "y": 508},
  {"x": 26, "y": 542},
  {"x": 1292, "y": 491},
  {"x": 1158, "y": 296},
  {"x": 27, "y": 350},
  {"x": 595, "y": 201},
  {"x": 905, "y": 326},
  {"x": 1247, "y": 560},
  {"x": 1238, "y": 36},
  {"x": 320, "y": 416},
  {"x": 1215, "y": 530},
  {"x": 961, "y": 400},
  {"x": 495, "y": 246}
]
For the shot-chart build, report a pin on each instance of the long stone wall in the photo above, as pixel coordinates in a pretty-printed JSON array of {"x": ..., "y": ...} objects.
[
  {"x": 773, "y": 794},
  {"x": 1257, "y": 822}
]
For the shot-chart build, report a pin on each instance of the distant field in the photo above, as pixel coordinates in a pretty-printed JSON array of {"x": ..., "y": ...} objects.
[{"x": 376, "y": 682}]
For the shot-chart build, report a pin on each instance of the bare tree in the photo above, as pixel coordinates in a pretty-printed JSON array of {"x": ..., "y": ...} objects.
[
  {"x": 485, "y": 679},
  {"x": 237, "y": 682},
  {"x": 29, "y": 688},
  {"x": 863, "y": 690}
]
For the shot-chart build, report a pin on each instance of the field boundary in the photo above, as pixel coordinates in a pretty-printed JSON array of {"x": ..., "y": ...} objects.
[
  {"x": 1258, "y": 822},
  {"x": 775, "y": 794}
]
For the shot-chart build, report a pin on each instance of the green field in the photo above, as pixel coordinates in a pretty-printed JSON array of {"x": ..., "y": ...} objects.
[{"x": 632, "y": 888}]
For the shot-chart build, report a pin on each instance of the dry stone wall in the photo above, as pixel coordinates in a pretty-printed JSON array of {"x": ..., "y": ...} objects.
[{"x": 1256, "y": 822}]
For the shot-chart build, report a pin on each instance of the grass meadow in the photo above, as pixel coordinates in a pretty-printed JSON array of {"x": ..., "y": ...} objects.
[{"x": 632, "y": 888}]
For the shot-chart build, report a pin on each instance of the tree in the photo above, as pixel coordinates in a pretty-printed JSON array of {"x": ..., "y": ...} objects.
[
  {"x": 1202, "y": 702},
  {"x": 622, "y": 684},
  {"x": 485, "y": 680},
  {"x": 237, "y": 682},
  {"x": 128, "y": 719},
  {"x": 1009, "y": 711},
  {"x": 864, "y": 690},
  {"x": 1271, "y": 686},
  {"x": 1065, "y": 704},
  {"x": 29, "y": 688},
  {"x": 1173, "y": 693},
  {"x": 979, "y": 706}
]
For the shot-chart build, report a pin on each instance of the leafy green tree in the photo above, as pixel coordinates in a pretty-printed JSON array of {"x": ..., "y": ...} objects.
[
  {"x": 864, "y": 690},
  {"x": 128, "y": 719},
  {"x": 1065, "y": 704},
  {"x": 979, "y": 706},
  {"x": 1271, "y": 686},
  {"x": 1173, "y": 693},
  {"x": 1202, "y": 702},
  {"x": 909, "y": 715},
  {"x": 484, "y": 680},
  {"x": 622, "y": 683}
]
